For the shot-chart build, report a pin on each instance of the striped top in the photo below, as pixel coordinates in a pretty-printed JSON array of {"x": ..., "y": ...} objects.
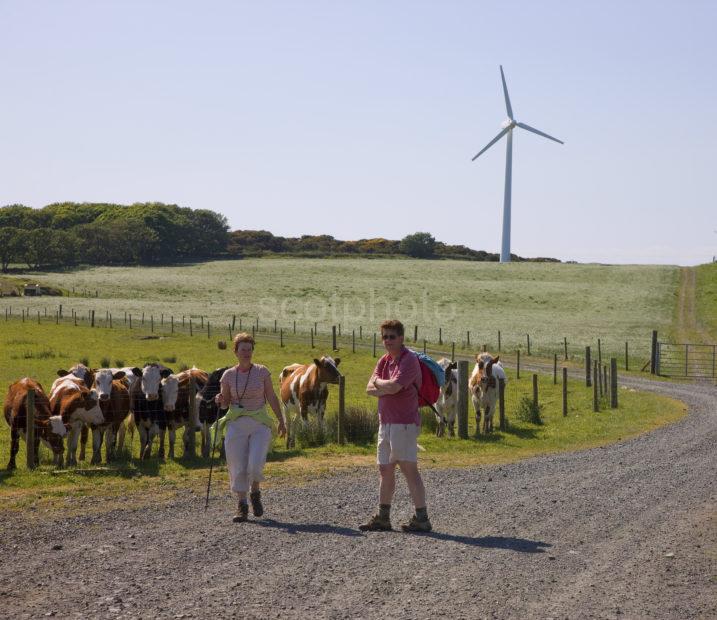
[{"x": 254, "y": 396}]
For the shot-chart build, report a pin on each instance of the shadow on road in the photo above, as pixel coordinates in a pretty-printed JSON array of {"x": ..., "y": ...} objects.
[
  {"x": 308, "y": 528},
  {"x": 493, "y": 542}
]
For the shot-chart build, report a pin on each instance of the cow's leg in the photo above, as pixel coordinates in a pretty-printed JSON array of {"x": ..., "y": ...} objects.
[
  {"x": 72, "y": 439},
  {"x": 14, "y": 447},
  {"x": 143, "y": 440},
  {"x": 83, "y": 441},
  {"x": 205, "y": 439},
  {"x": 111, "y": 441},
  {"x": 287, "y": 422},
  {"x": 452, "y": 422},
  {"x": 97, "y": 433},
  {"x": 476, "y": 406},
  {"x": 58, "y": 455},
  {"x": 486, "y": 419},
  {"x": 172, "y": 438},
  {"x": 37, "y": 450}
]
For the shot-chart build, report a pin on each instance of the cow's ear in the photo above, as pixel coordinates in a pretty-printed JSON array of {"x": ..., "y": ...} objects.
[
  {"x": 62, "y": 373},
  {"x": 137, "y": 372},
  {"x": 452, "y": 365},
  {"x": 337, "y": 361},
  {"x": 317, "y": 362},
  {"x": 165, "y": 372},
  {"x": 495, "y": 359},
  {"x": 478, "y": 358},
  {"x": 120, "y": 374}
]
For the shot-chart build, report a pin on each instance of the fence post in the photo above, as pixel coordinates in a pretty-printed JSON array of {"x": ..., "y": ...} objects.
[
  {"x": 565, "y": 347},
  {"x": 360, "y": 332},
  {"x": 440, "y": 335},
  {"x": 453, "y": 351},
  {"x": 333, "y": 338},
  {"x": 353, "y": 341},
  {"x": 517, "y": 364},
  {"x": 485, "y": 347},
  {"x": 424, "y": 346},
  {"x": 30, "y": 429},
  {"x": 274, "y": 325},
  {"x": 535, "y": 390},
  {"x": 598, "y": 378},
  {"x": 38, "y": 317},
  {"x": 687, "y": 366},
  {"x": 253, "y": 331},
  {"x": 604, "y": 379},
  {"x": 151, "y": 323},
  {"x": 627, "y": 362},
  {"x": 191, "y": 439},
  {"x": 565, "y": 391},
  {"x": 374, "y": 344},
  {"x": 191, "y": 330},
  {"x": 60, "y": 310},
  {"x": 498, "y": 341},
  {"x": 588, "y": 381},
  {"x": 555, "y": 368},
  {"x": 312, "y": 337},
  {"x": 415, "y": 333},
  {"x": 468, "y": 339},
  {"x": 130, "y": 320},
  {"x": 501, "y": 405},
  {"x": 172, "y": 324},
  {"x": 528, "y": 338},
  {"x": 596, "y": 402},
  {"x": 143, "y": 319},
  {"x": 653, "y": 353},
  {"x": 234, "y": 321},
  {"x": 110, "y": 320},
  {"x": 229, "y": 331},
  {"x": 281, "y": 337},
  {"x": 294, "y": 325},
  {"x": 463, "y": 399},
  {"x": 599, "y": 353},
  {"x": 339, "y": 326},
  {"x": 342, "y": 407},
  {"x": 209, "y": 330},
  {"x": 613, "y": 382}
]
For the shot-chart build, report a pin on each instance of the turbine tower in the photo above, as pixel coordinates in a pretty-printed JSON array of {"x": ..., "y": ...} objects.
[{"x": 508, "y": 125}]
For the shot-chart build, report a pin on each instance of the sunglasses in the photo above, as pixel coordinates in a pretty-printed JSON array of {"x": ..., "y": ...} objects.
[{"x": 389, "y": 336}]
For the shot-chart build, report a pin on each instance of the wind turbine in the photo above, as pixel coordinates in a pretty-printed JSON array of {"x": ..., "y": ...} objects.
[{"x": 508, "y": 125}]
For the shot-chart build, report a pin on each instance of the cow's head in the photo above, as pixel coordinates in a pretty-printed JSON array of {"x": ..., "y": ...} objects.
[
  {"x": 328, "y": 369},
  {"x": 211, "y": 388},
  {"x": 152, "y": 375},
  {"x": 103, "y": 382},
  {"x": 57, "y": 426},
  {"x": 81, "y": 372},
  {"x": 170, "y": 391},
  {"x": 487, "y": 380}
]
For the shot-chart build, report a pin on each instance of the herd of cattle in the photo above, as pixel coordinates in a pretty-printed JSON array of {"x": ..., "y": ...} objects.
[{"x": 154, "y": 400}]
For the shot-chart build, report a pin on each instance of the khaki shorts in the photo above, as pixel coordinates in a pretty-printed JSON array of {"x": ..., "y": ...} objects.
[{"x": 397, "y": 442}]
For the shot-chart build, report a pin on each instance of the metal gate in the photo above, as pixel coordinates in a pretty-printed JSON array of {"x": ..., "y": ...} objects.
[{"x": 686, "y": 360}]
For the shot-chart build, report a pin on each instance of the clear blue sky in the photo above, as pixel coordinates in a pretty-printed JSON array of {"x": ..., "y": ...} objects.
[{"x": 359, "y": 119}]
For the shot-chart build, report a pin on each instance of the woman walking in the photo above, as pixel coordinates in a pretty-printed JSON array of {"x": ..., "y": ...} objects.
[{"x": 246, "y": 428}]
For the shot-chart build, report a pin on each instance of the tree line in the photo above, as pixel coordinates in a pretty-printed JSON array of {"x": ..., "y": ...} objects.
[{"x": 153, "y": 233}]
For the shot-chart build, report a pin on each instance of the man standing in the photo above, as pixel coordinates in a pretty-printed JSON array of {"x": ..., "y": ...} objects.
[{"x": 395, "y": 382}]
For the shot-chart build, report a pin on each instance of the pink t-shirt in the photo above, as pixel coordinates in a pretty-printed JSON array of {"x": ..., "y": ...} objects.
[
  {"x": 401, "y": 407},
  {"x": 254, "y": 397}
]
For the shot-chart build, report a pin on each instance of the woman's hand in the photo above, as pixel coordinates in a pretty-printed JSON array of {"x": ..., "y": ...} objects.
[
  {"x": 282, "y": 428},
  {"x": 218, "y": 400}
]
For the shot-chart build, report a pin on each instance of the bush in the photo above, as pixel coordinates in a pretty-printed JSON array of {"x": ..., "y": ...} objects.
[
  {"x": 85, "y": 360},
  {"x": 360, "y": 425},
  {"x": 428, "y": 420},
  {"x": 105, "y": 362},
  {"x": 119, "y": 364},
  {"x": 528, "y": 411},
  {"x": 170, "y": 360},
  {"x": 312, "y": 433}
]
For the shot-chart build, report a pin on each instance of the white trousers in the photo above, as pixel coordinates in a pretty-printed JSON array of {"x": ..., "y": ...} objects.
[{"x": 246, "y": 444}]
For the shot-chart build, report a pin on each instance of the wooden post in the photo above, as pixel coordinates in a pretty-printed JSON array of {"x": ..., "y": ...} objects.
[
  {"x": 342, "y": 409},
  {"x": 627, "y": 358},
  {"x": 440, "y": 335},
  {"x": 339, "y": 329},
  {"x": 463, "y": 399},
  {"x": 598, "y": 378},
  {"x": 229, "y": 332},
  {"x": 151, "y": 323},
  {"x": 613, "y": 382},
  {"x": 312, "y": 337},
  {"x": 241, "y": 328},
  {"x": 257, "y": 324},
  {"x": 201, "y": 323},
  {"x": 191, "y": 330},
  {"x": 498, "y": 341},
  {"x": 143, "y": 319},
  {"x": 60, "y": 310},
  {"x": 588, "y": 381},
  {"x": 453, "y": 351},
  {"x": 38, "y": 317},
  {"x": 172, "y": 324},
  {"x": 353, "y": 341},
  {"x": 599, "y": 353},
  {"x": 110, "y": 320},
  {"x": 294, "y": 325},
  {"x": 253, "y": 331},
  {"x": 274, "y": 325},
  {"x": 535, "y": 390},
  {"x": 596, "y": 402},
  {"x": 424, "y": 346},
  {"x": 415, "y": 333},
  {"x": 565, "y": 347},
  {"x": 528, "y": 338},
  {"x": 468, "y": 339},
  {"x": 555, "y": 369},
  {"x": 653, "y": 353},
  {"x": 360, "y": 332},
  {"x": 517, "y": 364},
  {"x": 191, "y": 439},
  {"x": 130, "y": 320},
  {"x": 234, "y": 322},
  {"x": 281, "y": 337},
  {"x": 374, "y": 344},
  {"x": 485, "y": 347},
  {"x": 161, "y": 320},
  {"x": 75, "y": 314},
  {"x": 501, "y": 404},
  {"x": 209, "y": 330},
  {"x": 30, "y": 429},
  {"x": 316, "y": 327},
  {"x": 333, "y": 338},
  {"x": 604, "y": 379},
  {"x": 565, "y": 391}
]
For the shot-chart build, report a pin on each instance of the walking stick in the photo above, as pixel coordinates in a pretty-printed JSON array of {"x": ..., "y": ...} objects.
[{"x": 211, "y": 460}]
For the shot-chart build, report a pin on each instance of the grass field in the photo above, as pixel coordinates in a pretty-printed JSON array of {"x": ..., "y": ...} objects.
[
  {"x": 706, "y": 298},
  {"x": 547, "y": 301},
  {"x": 39, "y": 350}
]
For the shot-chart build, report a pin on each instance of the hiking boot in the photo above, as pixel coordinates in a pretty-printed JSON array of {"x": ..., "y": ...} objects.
[
  {"x": 242, "y": 513},
  {"x": 256, "y": 506},
  {"x": 376, "y": 524},
  {"x": 416, "y": 525}
]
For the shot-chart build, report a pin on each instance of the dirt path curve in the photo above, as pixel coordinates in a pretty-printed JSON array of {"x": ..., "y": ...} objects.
[
  {"x": 689, "y": 329},
  {"x": 625, "y": 531}
]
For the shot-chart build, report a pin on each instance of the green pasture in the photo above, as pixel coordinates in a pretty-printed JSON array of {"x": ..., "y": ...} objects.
[
  {"x": 615, "y": 303},
  {"x": 29, "y": 349},
  {"x": 706, "y": 298}
]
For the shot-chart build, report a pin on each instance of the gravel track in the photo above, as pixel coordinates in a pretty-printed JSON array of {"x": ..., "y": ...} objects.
[{"x": 624, "y": 531}]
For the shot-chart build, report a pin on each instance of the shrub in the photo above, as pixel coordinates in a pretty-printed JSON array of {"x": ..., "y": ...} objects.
[
  {"x": 119, "y": 364},
  {"x": 312, "y": 433},
  {"x": 105, "y": 362},
  {"x": 170, "y": 359},
  {"x": 360, "y": 425},
  {"x": 85, "y": 360},
  {"x": 182, "y": 367},
  {"x": 528, "y": 411}
]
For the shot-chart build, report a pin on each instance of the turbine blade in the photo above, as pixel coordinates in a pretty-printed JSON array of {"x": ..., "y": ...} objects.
[
  {"x": 508, "y": 107},
  {"x": 540, "y": 133},
  {"x": 491, "y": 143}
]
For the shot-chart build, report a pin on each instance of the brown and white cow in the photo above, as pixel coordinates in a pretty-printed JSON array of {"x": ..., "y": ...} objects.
[
  {"x": 304, "y": 389},
  {"x": 78, "y": 406},
  {"x": 48, "y": 428},
  {"x": 483, "y": 386},
  {"x": 113, "y": 394},
  {"x": 146, "y": 404},
  {"x": 447, "y": 399},
  {"x": 176, "y": 401}
]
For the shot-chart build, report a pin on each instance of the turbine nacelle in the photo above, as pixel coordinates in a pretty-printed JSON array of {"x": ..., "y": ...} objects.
[{"x": 508, "y": 123}]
